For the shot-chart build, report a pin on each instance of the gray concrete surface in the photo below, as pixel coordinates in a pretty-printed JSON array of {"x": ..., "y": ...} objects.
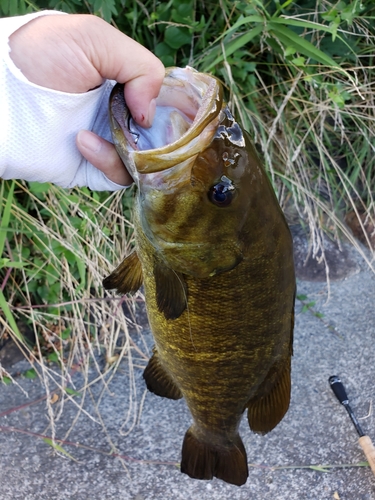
[{"x": 315, "y": 431}]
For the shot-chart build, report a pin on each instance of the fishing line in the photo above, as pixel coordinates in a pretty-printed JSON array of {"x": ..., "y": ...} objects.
[
  {"x": 187, "y": 309},
  {"x": 136, "y": 135}
]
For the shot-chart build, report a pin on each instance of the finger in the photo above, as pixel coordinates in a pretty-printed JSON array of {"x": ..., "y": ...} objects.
[
  {"x": 77, "y": 51},
  {"x": 118, "y": 57},
  {"x": 103, "y": 155},
  {"x": 140, "y": 100}
]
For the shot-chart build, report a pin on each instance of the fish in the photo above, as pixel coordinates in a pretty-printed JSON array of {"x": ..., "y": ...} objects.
[{"x": 214, "y": 254}]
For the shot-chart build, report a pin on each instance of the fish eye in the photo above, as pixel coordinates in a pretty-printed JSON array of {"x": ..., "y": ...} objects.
[{"x": 221, "y": 194}]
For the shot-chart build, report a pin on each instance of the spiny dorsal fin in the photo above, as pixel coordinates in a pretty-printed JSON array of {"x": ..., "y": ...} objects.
[
  {"x": 171, "y": 291},
  {"x": 158, "y": 381},
  {"x": 265, "y": 413},
  {"x": 205, "y": 460},
  {"x": 127, "y": 277}
]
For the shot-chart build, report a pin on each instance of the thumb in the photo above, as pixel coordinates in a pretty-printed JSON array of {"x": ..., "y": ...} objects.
[
  {"x": 119, "y": 57},
  {"x": 140, "y": 98}
]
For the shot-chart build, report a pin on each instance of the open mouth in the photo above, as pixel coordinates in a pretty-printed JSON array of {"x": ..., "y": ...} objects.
[
  {"x": 187, "y": 113},
  {"x": 169, "y": 125}
]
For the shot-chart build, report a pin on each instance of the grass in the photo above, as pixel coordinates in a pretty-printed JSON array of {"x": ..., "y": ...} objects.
[
  {"x": 63, "y": 244},
  {"x": 299, "y": 78}
]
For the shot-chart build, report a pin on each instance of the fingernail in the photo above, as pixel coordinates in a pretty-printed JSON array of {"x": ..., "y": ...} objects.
[
  {"x": 89, "y": 141},
  {"x": 145, "y": 120},
  {"x": 151, "y": 111}
]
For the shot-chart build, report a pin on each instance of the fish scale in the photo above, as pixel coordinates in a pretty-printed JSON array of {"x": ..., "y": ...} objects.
[{"x": 214, "y": 254}]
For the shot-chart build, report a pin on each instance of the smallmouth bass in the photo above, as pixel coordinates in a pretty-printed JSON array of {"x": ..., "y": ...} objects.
[{"x": 214, "y": 253}]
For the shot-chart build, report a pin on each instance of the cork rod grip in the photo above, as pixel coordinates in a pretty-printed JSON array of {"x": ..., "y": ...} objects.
[{"x": 369, "y": 450}]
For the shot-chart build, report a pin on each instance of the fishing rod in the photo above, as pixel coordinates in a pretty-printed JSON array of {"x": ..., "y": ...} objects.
[{"x": 365, "y": 442}]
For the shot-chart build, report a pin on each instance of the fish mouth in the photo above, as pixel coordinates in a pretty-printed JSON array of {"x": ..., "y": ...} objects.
[{"x": 186, "y": 119}]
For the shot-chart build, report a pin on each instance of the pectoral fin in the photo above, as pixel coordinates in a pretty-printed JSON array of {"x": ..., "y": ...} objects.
[
  {"x": 127, "y": 277},
  {"x": 171, "y": 291},
  {"x": 266, "y": 412},
  {"x": 158, "y": 381}
]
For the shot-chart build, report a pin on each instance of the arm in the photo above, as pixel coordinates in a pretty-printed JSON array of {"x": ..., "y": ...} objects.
[{"x": 46, "y": 99}]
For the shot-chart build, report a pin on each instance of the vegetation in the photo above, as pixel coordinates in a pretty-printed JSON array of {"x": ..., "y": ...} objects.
[{"x": 300, "y": 77}]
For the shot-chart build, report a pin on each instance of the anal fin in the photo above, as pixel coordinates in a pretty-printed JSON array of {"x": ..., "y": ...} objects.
[
  {"x": 158, "y": 381},
  {"x": 171, "y": 291},
  {"x": 127, "y": 277},
  {"x": 202, "y": 460},
  {"x": 266, "y": 412}
]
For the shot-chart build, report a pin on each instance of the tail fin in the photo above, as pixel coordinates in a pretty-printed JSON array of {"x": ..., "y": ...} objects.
[{"x": 204, "y": 461}]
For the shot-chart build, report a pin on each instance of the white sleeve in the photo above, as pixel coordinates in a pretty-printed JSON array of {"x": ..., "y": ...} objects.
[{"x": 38, "y": 126}]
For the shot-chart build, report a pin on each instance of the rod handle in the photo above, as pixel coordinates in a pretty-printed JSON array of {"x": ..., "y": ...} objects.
[
  {"x": 338, "y": 389},
  {"x": 369, "y": 450}
]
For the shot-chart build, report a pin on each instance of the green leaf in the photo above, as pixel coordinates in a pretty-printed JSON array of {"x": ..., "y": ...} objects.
[
  {"x": 299, "y": 61},
  {"x": 25, "y": 252},
  {"x": 177, "y": 37},
  {"x": 330, "y": 15},
  {"x": 165, "y": 53},
  {"x": 10, "y": 318},
  {"x": 335, "y": 26},
  {"x": 289, "y": 51},
  {"x": 52, "y": 274},
  {"x": 58, "y": 447},
  {"x": 4, "y": 5},
  {"x": 337, "y": 98},
  {"x": 235, "y": 45},
  {"x": 243, "y": 20},
  {"x": 183, "y": 13},
  {"x": 66, "y": 333},
  {"x": 5, "y": 216},
  {"x": 288, "y": 38},
  {"x": 108, "y": 10},
  {"x": 39, "y": 187},
  {"x": 13, "y": 7},
  {"x": 31, "y": 374},
  {"x": 4, "y": 262},
  {"x": 167, "y": 61},
  {"x": 163, "y": 49},
  {"x": 285, "y": 4},
  {"x": 301, "y": 297},
  {"x": 72, "y": 392},
  {"x": 302, "y": 24},
  {"x": 53, "y": 357}
]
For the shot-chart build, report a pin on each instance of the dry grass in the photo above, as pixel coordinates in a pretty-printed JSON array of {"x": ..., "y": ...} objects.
[{"x": 75, "y": 240}]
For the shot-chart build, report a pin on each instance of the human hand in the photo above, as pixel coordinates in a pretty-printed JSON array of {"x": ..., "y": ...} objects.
[{"x": 74, "y": 53}]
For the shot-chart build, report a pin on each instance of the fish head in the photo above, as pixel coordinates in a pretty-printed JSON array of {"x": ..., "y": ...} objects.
[{"x": 195, "y": 170}]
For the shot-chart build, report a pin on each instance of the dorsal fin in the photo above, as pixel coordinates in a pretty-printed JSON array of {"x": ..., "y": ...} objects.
[
  {"x": 127, "y": 277},
  {"x": 171, "y": 291}
]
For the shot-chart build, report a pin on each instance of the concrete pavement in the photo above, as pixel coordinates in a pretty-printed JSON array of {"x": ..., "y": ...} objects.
[{"x": 107, "y": 462}]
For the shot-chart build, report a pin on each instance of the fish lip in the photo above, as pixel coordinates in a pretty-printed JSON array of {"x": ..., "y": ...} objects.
[{"x": 192, "y": 142}]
